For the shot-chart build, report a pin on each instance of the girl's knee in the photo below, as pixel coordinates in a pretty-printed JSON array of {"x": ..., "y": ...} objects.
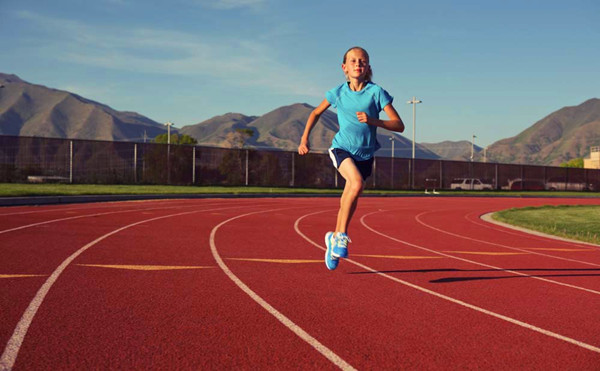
[{"x": 356, "y": 186}]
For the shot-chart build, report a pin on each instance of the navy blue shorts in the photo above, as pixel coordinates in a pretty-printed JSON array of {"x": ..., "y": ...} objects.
[{"x": 364, "y": 167}]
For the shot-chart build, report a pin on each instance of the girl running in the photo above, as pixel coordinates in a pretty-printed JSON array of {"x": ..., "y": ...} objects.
[{"x": 358, "y": 102}]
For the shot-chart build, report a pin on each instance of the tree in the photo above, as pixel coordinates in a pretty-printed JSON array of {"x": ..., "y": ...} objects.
[
  {"x": 237, "y": 138},
  {"x": 175, "y": 139},
  {"x": 576, "y": 162}
]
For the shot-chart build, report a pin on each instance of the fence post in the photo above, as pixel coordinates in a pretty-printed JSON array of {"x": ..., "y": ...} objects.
[
  {"x": 70, "y": 162},
  {"x": 246, "y": 168},
  {"x": 522, "y": 177},
  {"x": 135, "y": 163},
  {"x": 496, "y": 177},
  {"x": 169, "y": 162},
  {"x": 374, "y": 172},
  {"x": 193, "y": 165},
  {"x": 411, "y": 170},
  {"x": 293, "y": 169},
  {"x": 392, "y": 172},
  {"x": 441, "y": 174},
  {"x": 336, "y": 176}
]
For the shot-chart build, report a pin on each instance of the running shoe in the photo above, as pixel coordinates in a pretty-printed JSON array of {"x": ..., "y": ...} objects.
[
  {"x": 330, "y": 261},
  {"x": 340, "y": 249}
]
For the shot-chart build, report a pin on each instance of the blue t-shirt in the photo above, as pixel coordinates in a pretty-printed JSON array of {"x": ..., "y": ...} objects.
[{"x": 355, "y": 137}]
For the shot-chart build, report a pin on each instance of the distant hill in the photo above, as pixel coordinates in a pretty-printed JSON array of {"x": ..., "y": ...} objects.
[
  {"x": 559, "y": 137},
  {"x": 457, "y": 151},
  {"x": 35, "y": 110},
  {"x": 282, "y": 129},
  {"x": 213, "y": 132}
]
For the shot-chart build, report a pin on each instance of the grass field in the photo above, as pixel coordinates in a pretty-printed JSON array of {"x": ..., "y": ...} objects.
[
  {"x": 580, "y": 222},
  {"x": 29, "y": 190}
]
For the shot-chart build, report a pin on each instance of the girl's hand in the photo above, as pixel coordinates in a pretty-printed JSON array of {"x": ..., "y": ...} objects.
[
  {"x": 362, "y": 117},
  {"x": 303, "y": 148}
]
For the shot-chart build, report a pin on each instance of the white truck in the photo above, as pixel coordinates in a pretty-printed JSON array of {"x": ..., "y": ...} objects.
[{"x": 470, "y": 184}]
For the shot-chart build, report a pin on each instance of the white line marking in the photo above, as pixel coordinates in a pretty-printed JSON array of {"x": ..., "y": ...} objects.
[
  {"x": 89, "y": 216},
  {"x": 328, "y": 353},
  {"x": 9, "y": 356},
  {"x": 82, "y": 207},
  {"x": 482, "y": 264},
  {"x": 530, "y": 233},
  {"x": 418, "y": 219},
  {"x": 450, "y": 299}
]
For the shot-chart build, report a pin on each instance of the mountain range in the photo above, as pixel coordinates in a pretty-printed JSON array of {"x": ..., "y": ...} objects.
[
  {"x": 559, "y": 137},
  {"x": 34, "y": 110}
]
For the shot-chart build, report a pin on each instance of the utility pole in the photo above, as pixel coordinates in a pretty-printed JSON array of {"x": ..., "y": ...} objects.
[
  {"x": 473, "y": 147},
  {"x": 414, "y": 102}
]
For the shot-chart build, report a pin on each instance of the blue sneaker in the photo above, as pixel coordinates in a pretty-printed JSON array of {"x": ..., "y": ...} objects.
[
  {"x": 340, "y": 249},
  {"x": 330, "y": 261}
]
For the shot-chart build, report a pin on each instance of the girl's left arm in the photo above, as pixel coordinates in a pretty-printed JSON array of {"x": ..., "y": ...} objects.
[{"x": 394, "y": 123}]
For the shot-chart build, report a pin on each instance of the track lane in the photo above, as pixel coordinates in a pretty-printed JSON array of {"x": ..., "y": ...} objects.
[
  {"x": 481, "y": 285},
  {"x": 198, "y": 318},
  {"x": 42, "y": 255},
  {"x": 349, "y": 307}
]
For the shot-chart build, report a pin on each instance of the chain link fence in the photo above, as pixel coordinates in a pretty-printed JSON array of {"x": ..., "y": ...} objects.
[{"x": 33, "y": 159}]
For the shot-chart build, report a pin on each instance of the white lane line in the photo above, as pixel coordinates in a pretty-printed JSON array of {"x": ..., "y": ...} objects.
[
  {"x": 328, "y": 353},
  {"x": 90, "y": 216},
  {"x": 418, "y": 219},
  {"x": 9, "y": 356},
  {"x": 88, "y": 206},
  {"x": 450, "y": 299},
  {"x": 483, "y": 264},
  {"x": 528, "y": 233}
]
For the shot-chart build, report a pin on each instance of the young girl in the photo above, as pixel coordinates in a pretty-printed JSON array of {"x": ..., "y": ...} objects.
[{"x": 358, "y": 102}]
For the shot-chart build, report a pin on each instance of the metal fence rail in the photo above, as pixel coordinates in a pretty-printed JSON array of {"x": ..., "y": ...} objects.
[{"x": 24, "y": 159}]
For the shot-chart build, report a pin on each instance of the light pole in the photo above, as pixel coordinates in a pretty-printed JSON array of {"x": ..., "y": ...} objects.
[
  {"x": 168, "y": 125},
  {"x": 473, "y": 147},
  {"x": 414, "y": 102}
]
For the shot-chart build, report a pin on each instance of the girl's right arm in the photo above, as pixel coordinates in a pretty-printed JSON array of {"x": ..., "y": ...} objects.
[{"x": 304, "y": 146}]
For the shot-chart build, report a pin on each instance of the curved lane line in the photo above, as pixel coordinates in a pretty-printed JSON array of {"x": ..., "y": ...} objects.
[
  {"x": 9, "y": 356},
  {"x": 76, "y": 208},
  {"x": 328, "y": 353},
  {"x": 533, "y": 234},
  {"x": 89, "y": 216},
  {"x": 450, "y": 299},
  {"x": 483, "y": 264},
  {"x": 418, "y": 219}
]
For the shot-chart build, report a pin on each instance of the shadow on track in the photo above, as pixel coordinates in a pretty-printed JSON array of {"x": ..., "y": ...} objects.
[{"x": 543, "y": 273}]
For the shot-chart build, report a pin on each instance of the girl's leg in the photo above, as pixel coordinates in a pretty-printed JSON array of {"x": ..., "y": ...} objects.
[{"x": 352, "y": 190}]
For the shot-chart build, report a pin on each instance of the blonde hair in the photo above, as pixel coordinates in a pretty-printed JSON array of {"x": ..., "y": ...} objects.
[{"x": 369, "y": 74}]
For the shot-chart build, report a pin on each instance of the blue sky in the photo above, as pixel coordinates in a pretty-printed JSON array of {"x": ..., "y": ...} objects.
[{"x": 485, "y": 68}]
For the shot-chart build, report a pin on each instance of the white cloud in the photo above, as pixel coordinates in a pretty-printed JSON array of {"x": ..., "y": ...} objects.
[{"x": 230, "y": 60}]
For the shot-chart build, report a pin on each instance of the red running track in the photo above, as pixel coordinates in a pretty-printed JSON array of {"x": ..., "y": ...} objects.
[{"x": 241, "y": 284}]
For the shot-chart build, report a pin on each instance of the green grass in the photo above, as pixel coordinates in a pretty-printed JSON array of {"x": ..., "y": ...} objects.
[
  {"x": 580, "y": 222},
  {"x": 29, "y": 190}
]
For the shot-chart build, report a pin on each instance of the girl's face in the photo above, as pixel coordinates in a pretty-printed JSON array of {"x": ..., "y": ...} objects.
[{"x": 356, "y": 65}]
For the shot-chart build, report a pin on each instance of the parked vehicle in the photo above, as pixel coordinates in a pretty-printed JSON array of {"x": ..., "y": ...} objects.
[
  {"x": 470, "y": 184},
  {"x": 561, "y": 185},
  {"x": 525, "y": 185}
]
